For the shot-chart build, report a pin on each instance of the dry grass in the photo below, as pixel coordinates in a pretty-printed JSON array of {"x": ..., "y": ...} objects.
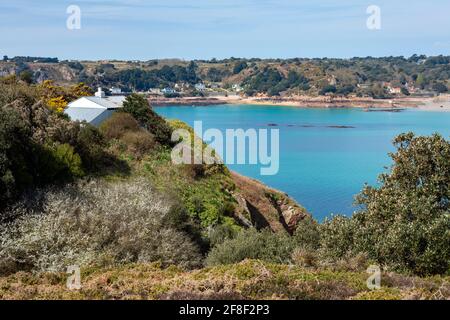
[{"x": 250, "y": 279}]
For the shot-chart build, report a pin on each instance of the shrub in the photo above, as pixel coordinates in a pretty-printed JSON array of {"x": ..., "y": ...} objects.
[
  {"x": 93, "y": 223},
  {"x": 90, "y": 145},
  {"x": 304, "y": 257},
  {"x": 139, "y": 108},
  {"x": 337, "y": 237},
  {"x": 307, "y": 233},
  {"x": 404, "y": 223},
  {"x": 15, "y": 154},
  {"x": 69, "y": 160},
  {"x": 118, "y": 124},
  {"x": 220, "y": 234},
  {"x": 251, "y": 244},
  {"x": 139, "y": 142}
]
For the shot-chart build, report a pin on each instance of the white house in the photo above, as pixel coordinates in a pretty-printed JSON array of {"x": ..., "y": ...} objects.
[
  {"x": 200, "y": 87},
  {"x": 168, "y": 91},
  {"x": 115, "y": 90},
  {"x": 94, "y": 110}
]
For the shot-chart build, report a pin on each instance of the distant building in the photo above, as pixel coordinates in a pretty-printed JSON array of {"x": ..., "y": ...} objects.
[
  {"x": 394, "y": 90},
  {"x": 215, "y": 85},
  {"x": 168, "y": 91},
  {"x": 94, "y": 110},
  {"x": 200, "y": 87},
  {"x": 115, "y": 90},
  {"x": 363, "y": 85},
  {"x": 236, "y": 87},
  {"x": 156, "y": 91},
  {"x": 411, "y": 88}
]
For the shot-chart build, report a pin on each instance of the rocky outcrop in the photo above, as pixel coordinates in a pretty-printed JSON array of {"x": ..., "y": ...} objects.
[{"x": 262, "y": 207}]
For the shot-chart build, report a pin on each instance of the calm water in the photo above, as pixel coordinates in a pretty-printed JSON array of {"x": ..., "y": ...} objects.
[{"x": 321, "y": 167}]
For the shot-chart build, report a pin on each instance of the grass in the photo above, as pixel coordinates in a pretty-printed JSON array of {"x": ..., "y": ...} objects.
[{"x": 250, "y": 279}]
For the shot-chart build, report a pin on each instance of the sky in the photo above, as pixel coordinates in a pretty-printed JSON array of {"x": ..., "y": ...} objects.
[{"x": 205, "y": 29}]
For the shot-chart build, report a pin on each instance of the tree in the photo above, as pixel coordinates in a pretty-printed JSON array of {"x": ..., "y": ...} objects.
[
  {"x": 439, "y": 87},
  {"x": 405, "y": 91},
  {"x": 26, "y": 76},
  {"x": 239, "y": 67},
  {"x": 138, "y": 106},
  {"x": 420, "y": 81},
  {"x": 405, "y": 223},
  {"x": 15, "y": 153},
  {"x": 328, "y": 89}
]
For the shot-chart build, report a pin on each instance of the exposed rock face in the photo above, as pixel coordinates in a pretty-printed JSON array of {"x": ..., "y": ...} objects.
[{"x": 263, "y": 207}]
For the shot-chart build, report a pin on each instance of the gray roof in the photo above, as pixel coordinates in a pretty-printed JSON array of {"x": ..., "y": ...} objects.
[
  {"x": 94, "y": 110},
  {"x": 109, "y": 102}
]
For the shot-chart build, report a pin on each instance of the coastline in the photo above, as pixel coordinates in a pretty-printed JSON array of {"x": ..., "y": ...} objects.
[{"x": 440, "y": 103}]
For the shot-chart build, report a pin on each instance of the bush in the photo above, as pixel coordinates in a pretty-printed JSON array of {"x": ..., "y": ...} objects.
[
  {"x": 404, "y": 223},
  {"x": 251, "y": 244},
  {"x": 337, "y": 237},
  {"x": 139, "y": 142},
  {"x": 305, "y": 257},
  {"x": 15, "y": 154},
  {"x": 118, "y": 124},
  {"x": 307, "y": 234},
  {"x": 139, "y": 108},
  {"x": 90, "y": 145},
  {"x": 59, "y": 162},
  {"x": 93, "y": 223}
]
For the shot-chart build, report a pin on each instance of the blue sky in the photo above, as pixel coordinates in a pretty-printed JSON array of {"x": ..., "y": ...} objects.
[{"x": 203, "y": 29}]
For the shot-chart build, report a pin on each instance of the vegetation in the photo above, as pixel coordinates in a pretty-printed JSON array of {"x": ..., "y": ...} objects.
[
  {"x": 95, "y": 223},
  {"x": 38, "y": 144},
  {"x": 139, "y": 108},
  {"x": 403, "y": 225},
  {"x": 111, "y": 201},
  {"x": 364, "y": 77},
  {"x": 250, "y": 279}
]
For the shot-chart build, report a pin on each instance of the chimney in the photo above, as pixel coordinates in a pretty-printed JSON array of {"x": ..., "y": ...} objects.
[{"x": 100, "y": 93}]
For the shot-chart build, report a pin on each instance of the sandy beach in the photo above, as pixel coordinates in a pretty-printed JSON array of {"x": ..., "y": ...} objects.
[{"x": 439, "y": 103}]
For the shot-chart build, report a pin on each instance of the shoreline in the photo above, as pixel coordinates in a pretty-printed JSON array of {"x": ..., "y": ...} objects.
[{"x": 440, "y": 103}]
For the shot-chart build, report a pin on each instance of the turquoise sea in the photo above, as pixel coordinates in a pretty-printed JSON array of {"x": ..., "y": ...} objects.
[{"x": 326, "y": 155}]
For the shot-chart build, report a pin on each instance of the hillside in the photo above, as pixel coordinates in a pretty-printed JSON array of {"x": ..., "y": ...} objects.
[
  {"x": 110, "y": 201},
  {"x": 357, "y": 77},
  {"x": 248, "y": 280}
]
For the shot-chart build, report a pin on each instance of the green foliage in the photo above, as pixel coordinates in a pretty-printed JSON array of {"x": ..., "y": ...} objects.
[
  {"x": 405, "y": 91},
  {"x": 328, "y": 89},
  {"x": 307, "y": 234},
  {"x": 337, "y": 237},
  {"x": 239, "y": 66},
  {"x": 439, "y": 87},
  {"x": 139, "y": 108},
  {"x": 39, "y": 146},
  {"x": 273, "y": 82},
  {"x": 26, "y": 76},
  {"x": 118, "y": 124},
  {"x": 15, "y": 153},
  {"x": 139, "y": 143},
  {"x": 404, "y": 223},
  {"x": 63, "y": 163},
  {"x": 251, "y": 244}
]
